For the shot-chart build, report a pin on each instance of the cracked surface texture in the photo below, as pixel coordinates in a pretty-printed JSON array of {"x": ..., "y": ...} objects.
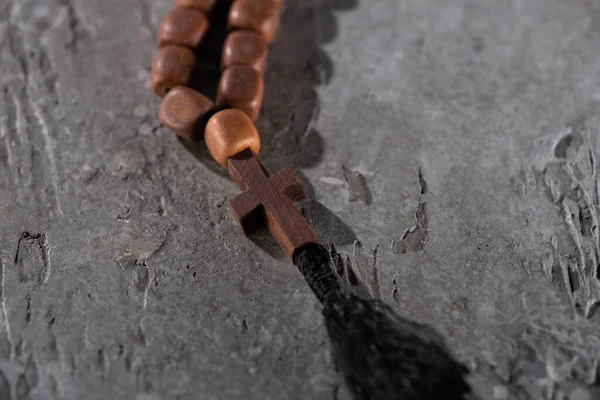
[{"x": 449, "y": 150}]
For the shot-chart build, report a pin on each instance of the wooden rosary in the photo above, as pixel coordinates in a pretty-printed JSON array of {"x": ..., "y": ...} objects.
[
  {"x": 230, "y": 134},
  {"x": 381, "y": 355}
]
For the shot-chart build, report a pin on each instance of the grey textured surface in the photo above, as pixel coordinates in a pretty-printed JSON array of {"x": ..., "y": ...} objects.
[{"x": 450, "y": 149}]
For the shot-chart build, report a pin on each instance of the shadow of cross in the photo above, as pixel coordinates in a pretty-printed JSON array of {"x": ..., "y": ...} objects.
[{"x": 269, "y": 200}]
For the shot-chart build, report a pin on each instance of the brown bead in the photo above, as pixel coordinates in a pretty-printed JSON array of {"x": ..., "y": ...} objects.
[
  {"x": 184, "y": 26},
  {"x": 203, "y": 5},
  {"x": 242, "y": 88},
  {"x": 245, "y": 48},
  {"x": 261, "y": 16},
  {"x": 229, "y": 132},
  {"x": 172, "y": 66},
  {"x": 185, "y": 111}
]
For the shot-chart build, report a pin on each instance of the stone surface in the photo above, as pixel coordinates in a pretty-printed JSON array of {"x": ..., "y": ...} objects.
[{"x": 449, "y": 149}]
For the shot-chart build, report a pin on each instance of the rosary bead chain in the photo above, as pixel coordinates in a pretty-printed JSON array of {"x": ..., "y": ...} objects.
[{"x": 252, "y": 25}]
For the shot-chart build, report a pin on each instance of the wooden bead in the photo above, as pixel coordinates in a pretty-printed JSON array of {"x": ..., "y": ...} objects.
[
  {"x": 172, "y": 66},
  {"x": 185, "y": 111},
  {"x": 229, "y": 132},
  {"x": 269, "y": 199},
  {"x": 202, "y": 5},
  {"x": 261, "y": 16},
  {"x": 184, "y": 26},
  {"x": 245, "y": 48},
  {"x": 242, "y": 88}
]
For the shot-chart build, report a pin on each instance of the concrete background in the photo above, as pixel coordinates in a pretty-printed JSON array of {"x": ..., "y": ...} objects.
[{"x": 450, "y": 152}]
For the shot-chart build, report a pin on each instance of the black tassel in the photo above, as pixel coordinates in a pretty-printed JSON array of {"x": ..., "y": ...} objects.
[{"x": 381, "y": 355}]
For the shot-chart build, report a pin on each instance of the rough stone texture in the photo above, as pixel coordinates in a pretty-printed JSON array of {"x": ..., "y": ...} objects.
[{"x": 450, "y": 150}]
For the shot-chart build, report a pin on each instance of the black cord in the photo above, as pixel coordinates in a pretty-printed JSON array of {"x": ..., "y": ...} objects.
[{"x": 381, "y": 355}]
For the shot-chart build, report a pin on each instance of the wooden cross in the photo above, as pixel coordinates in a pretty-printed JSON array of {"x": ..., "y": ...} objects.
[{"x": 269, "y": 200}]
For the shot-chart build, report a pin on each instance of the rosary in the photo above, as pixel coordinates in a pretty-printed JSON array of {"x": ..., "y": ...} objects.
[{"x": 381, "y": 355}]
